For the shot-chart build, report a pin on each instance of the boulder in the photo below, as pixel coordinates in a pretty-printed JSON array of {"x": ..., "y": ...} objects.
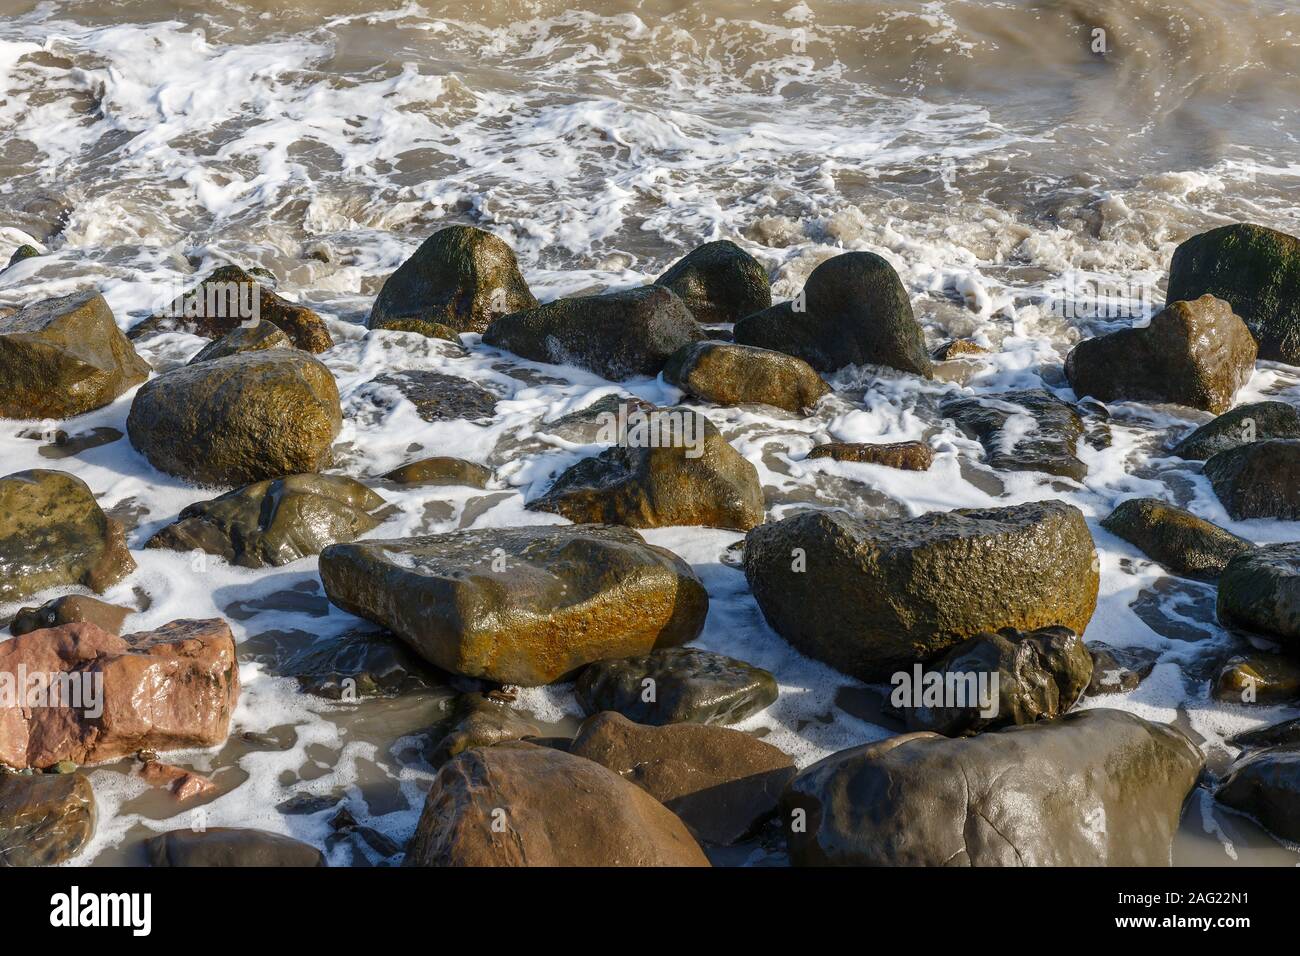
[
  {"x": 1259, "y": 480},
  {"x": 1174, "y": 537},
  {"x": 1259, "y": 592},
  {"x": 70, "y": 609},
  {"x": 45, "y": 819},
  {"x": 1118, "y": 670},
  {"x": 855, "y": 311},
  {"x": 460, "y": 279},
  {"x": 440, "y": 471},
  {"x": 517, "y": 804},
  {"x": 671, "y": 467},
  {"x": 721, "y": 783},
  {"x": 436, "y": 397},
  {"x": 107, "y": 696},
  {"x": 1196, "y": 353},
  {"x": 677, "y": 685},
  {"x": 1257, "y": 270},
  {"x": 230, "y": 846},
  {"x": 522, "y": 606},
  {"x": 21, "y": 254},
  {"x": 1266, "y": 786},
  {"x": 350, "y": 666},
  {"x": 719, "y": 282},
  {"x": 618, "y": 335},
  {"x": 907, "y": 455},
  {"x": 271, "y": 523},
  {"x": 180, "y": 783},
  {"x": 906, "y": 590},
  {"x": 1094, "y": 788},
  {"x": 255, "y": 337},
  {"x": 1284, "y": 734},
  {"x": 63, "y": 357},
  {"x": 1029, "y": 430},
  {"x": 479, "y": 721},
  {"x": 727, "y": 374},
  {"x": 1257, "y": 678},
  {"x": 1241, "y": 426},
  {"x": 53, "y": 533},
  {"x": 239, "y": 419}
]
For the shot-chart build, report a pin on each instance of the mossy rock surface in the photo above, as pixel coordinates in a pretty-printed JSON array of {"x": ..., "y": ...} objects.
[
  {"x": 1259, "y": 480},
  {"x": 244, "y": 338},
  {"x": 729, "y": 374},
  {"x": 719, "y": 282},
  {"x": 1181, "y": 541},
  {"x": 1243, "y": 425}
]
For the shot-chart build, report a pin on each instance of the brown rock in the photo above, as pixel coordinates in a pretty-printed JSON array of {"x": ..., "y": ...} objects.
[
  {"x": 440, "y": 471},
  {"x": 230, "y": 846},
  {"x": 70, "y": 609},
  {"x": 908, "y": 455},
  {"x": 44, "y": 818},
  {"x": 181, "y": 782},
  {"x": 958, "y": 348},
  {"x": 728, "y": 374}
]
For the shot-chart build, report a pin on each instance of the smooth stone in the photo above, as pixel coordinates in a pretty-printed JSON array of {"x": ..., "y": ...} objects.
[
  {"x": 1266, "y": 786},
  {"x": 1241, "y": 426},
  {"x": 256, "y": 337},
  {"x": 719, "y": 282},
  {"x": 1258, "y": 678},
  {"x": 1259, "y": 480},
  {"x": 45, "y": 819},
  {"x": 1030, "y": 430},
  {"x": 1118, "y": 670},
  {"x": 727, "y": 374},
  {"x": 907, "y": 455},
  {"x": 1174, "y": 537},
  {"x": 70, "y": 609},
  {"x": 480, "y": 721},
  {"x": 440, "y": 471},
  {"x": 230, "y": 846},
  {"x": 436, "y": 397},
  {"x": 1284, "y": 734},
  {"x": 354, "y": 665}
]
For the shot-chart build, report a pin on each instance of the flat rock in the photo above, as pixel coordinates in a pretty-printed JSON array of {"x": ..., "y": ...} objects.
[
  {"x": 479, "y": 721},
  {"x": 727, "y": 374},
  {"x": 1029, "y": 430},
  {"x": 1266, "y": 785},
  {"x": 350, "y": 666},
  {"x": 719, "y": 282},
  {"x": 1174, "y": 537},
  {"x": 1284, "y": 734},
  {"x": 70, "y": 609},
  {"x": 1259, "y": 480},
  {"x": 907, "y": 455},
  {"x": 230, "y": 846},
  {"x": 253, "y": 337},
  {"x": 440, "y": 471},
  {"x": 45, "y": 819},
  {"x": 1241, "y": 426}
]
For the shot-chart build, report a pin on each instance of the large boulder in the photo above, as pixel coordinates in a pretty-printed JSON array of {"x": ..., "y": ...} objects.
[
  {"x": 729, "y": 374},
  {"x": 853, "y": 311},
  {"x": 906, "y": 590},
  {"x": 721, "y": 783},
  {"x": 1241, "y": 426},
  {"x": 907, "y": 455},
  {"x": 44, "y": 818},
  {"x": 1257, "y": 270},
  {"x": 254, "y": 337},
  {"x": 1259, "y": 480},
  {"x": 671, "y": 467},
  {"x": 62, "y": 357},
  {"x": 230, "y": 846},
  {"x": 1266, "y": 785},
  {"x": 1028, "y": 430},
  {"x": 1174, "y": 537},
  {"x": 1196, "y": 353},
  {"x": 719, "y": 282},
  {"x": 1095, "y": 788},
  {"x": 618, "y": 335},
  {"x": 517, "y": 804},
  {"x": 522, "y": 606},
  {"x": 53, "y": 533},
  {"x": 240, "y": 419},
  {"x": 1259, "y": 592},
  {"x": 460, "y": 279},
  {"x": 271, "y": 523},
  {"x": 107, "y": 696}
]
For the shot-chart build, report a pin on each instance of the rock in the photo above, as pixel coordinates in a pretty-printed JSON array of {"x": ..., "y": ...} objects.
[
  {"x": 1196, "y": 353},
  {"x": 1257, "y": 678},
  {"x": 1040, "y": 674},
  {"x": 461, "y": 278},
  {"x": 906, "y": 590},
  {"x": 956, "y": 348},
  {"x": 53, "y": 533},
  {"x": 21, "y": 253},
  {"x": 689, "y": 685},
  {"x": 1254, "y": 268},
  {"x": 480, "y": 721},
  {"x": 1259, "y": 592},
  {"x": 719, "y": 282},
  {"x": 355, "y": 664},
  {"x": 70, "y": 609},
  {"x": 271, "y": 523},
  {"x": 436, "y": 397},
  {"x": 618, "y": 335},
  {"x": 1241, "y": 426},
  {"x": 440, "y": 471},
  {"x": 171, "y": 688},
  {"x": 63, "y": 357},
  {"x": 1094, "y": 788},
  {"x": 183, "y": 784},
  {"x": 728, "y": 374},
  {"x": 721, "y": 783},
  {"x": 229, "y": 297},
  {"x": 856, "y": 312},
  {"x": 521, "y": 606},
  {"x": 1266, "y": 785},
  {"x": 1259, "y": 480},
  {"x": 45, "y": 819},
  {"x": 239, "y": 419},
  {"x": 907, "y": 455},
  {"x": 1029, "y": 430},
  {"x": 1284, "y": 734},
  {"x": 1118, "y": 670},
  {"x": 1174, "y": 537},
  {"x": 671, "y": 467},
  {"x": 517, "y": 804},
  {"x": 230, "y": 846},
  {"x": 256, "y": 337}
]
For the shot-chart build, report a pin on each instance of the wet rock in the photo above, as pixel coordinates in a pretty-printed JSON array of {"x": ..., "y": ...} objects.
[
  {"x": 460, "y": 279},
  {"x": 719, "y": 282},
  {"x": 239, "y": 419},
  {"x": 855, "y": 312},
  {"x": 728, "y": 374},
  {"x": 1266, "y": 785},
  {"x": 618, "y": 335},
  {"x": 1258, "y": 678},
  {"x": 257, "y": 337},
  {"x": 271, "y": 523},
  {"x": 59, "y": 444},
  {"x": 1284, "y": 734},
  {"x": 166, "y": 689},
  {"x": 1029, "y": 430},
  {"x": 1031, "y": 795},
  {"x": 907, "y": 455},
  {"x": 63, "y": 357},
  {"x": 353, "y": 665},
  {"x": 440, "y": 471},
  {"x": 671, "y": 467},
  {"x": 521, "y": 606},
  {"x": 677, "y": 685},
  {"x": 906, "y": 590},
  {"x": 1259, "y": 592},
  {"x": 45, "y": 819},
  {"x": 436, "y": 397},
  {"x": 1259, "y": 480},
  {"x": 517, "y": 804},
  {"x": 1257, "y": 270},
  {"x": 1118, "y": 670},
  {"x": 1241, "y": 426},
  {"x": 480, "y": 721},
  {"x": 1196, "y": 353},
  {"x": 22, "y": 253},
  {"x": 230, "y": 846},
  {"x": 1175, "y": 538},
  {"x": 721, "y": 783},
  {"x": 181, "y": 783},
  {"x": 53, "y": 533},
  {"x": 957, "y": 348},
  {"x": 229, "y": 297},
  {"x": 70, "y": 609}
]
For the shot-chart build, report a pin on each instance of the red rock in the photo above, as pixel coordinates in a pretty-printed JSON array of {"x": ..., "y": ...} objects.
[{"x": 181, "y": 782}]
